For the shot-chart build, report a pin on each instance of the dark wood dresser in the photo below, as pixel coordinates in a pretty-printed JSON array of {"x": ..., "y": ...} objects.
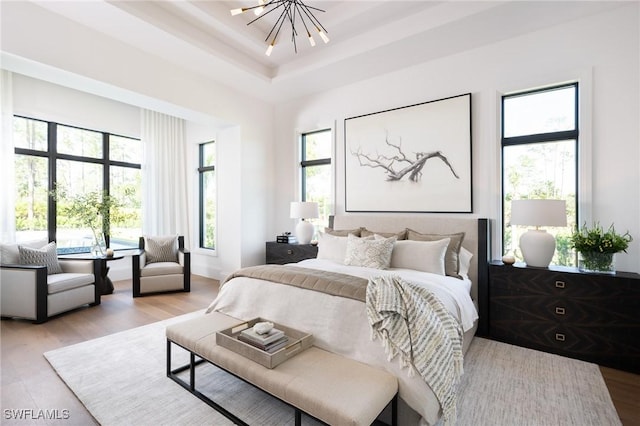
[
  {"x": 281, "y": 253},
  {"x": 592, "y": 317}
]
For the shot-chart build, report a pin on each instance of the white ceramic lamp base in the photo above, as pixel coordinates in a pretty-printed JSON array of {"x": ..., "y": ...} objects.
[
  {"x": 304, "y": 232},
  {"x": 537, "y": 247}
]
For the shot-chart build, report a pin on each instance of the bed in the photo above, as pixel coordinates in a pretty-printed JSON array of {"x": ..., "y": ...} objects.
[{"x": 340, "y": 323}]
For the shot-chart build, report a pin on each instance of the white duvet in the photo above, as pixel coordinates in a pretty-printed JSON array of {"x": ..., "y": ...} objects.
[{"x": 340, "y": 324}]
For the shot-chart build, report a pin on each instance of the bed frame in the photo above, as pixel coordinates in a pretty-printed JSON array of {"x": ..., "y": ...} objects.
[{"x": 476, "y": 240}]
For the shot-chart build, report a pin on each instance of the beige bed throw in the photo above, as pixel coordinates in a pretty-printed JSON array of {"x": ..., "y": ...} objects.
[{"x": 413, "y": 323}]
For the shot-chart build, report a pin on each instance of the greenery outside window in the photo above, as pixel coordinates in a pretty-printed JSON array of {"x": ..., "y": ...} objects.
[
  {"x": 73, "y": 161},
  {"x": 207, "y": 176},
  {"x": 539, "y": 159},
  {"x": 316, "y": 174}
]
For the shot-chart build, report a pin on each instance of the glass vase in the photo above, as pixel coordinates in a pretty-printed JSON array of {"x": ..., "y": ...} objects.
[{"x": 602, "y": 263}]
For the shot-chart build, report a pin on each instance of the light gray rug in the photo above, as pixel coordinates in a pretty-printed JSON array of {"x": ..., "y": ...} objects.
[{"x": 121, "y": 380}]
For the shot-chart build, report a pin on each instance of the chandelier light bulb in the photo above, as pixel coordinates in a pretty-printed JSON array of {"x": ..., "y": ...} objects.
[
  {"x": 235, "y": 12},
  {"x": 311, "y": 40},
  {"x": 269, "y": 50},
  {"x": 260, "y": 9},
  {"x": 323, "y": 36}
]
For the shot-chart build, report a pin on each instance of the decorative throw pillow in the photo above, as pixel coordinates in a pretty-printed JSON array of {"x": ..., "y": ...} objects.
[
  {"x": 331, "y": 247},
  {"x": 45, "y": 256},
  {"x": 369, "y": 253},
  {"x": 342, "y": 232},
  {"x": 451, "y": 262},
  {"x": 465, "y": 261},
  {"x": 161, "y": 249},
  {"x": 402, "y": 235},
  {"x": 425, "y": 256}
]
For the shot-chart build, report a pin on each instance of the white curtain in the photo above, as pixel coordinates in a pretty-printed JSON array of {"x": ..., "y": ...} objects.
[
  {"x": 164, "y": 176},
  {"x": 7, "y": 157}
]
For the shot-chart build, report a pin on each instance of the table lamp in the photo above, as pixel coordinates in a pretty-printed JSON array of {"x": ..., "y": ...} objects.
[
  {"x": 304, "y": 210},
  {"x": 538, "y": 245}
]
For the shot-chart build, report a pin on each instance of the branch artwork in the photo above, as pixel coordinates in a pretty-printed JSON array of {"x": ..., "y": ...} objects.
[{"x": 413, "y": 168}]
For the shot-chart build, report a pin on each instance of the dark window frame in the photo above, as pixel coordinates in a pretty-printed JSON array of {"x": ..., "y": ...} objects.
[
  {"x": 202, "y": 169},
  {"x": 52, "y": 155},
  {"x": 304, "y": 163},
  {"x": 541, "y": 138}
]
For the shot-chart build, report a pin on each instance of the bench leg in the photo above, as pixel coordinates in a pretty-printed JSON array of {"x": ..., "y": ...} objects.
[
  {"x": 298, "y": 417},
  {"x": 394, "y": 411}
]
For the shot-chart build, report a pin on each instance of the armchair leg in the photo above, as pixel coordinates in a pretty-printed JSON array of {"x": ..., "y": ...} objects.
[{"x": 42, "y": 291}]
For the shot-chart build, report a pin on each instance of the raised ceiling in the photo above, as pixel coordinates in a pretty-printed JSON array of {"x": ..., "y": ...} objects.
[{"x": 367, "y": 37}]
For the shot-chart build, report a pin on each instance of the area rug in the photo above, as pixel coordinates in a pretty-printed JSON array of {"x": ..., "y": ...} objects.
[{"x": 121, "y": 380}]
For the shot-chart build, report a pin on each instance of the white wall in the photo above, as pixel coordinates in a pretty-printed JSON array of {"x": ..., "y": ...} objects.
[
  {"x": 601, "y": 52},
  {"x": 64, "y": 52}
]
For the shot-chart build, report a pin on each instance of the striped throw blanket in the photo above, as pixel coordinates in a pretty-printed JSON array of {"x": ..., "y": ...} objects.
[{"x": 414, "y": 325}]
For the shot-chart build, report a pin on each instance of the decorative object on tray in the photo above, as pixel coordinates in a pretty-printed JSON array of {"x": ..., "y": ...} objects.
[
  {"x": 270, "y": 350},
  {"x": 264, "y": 336},
  {"x": 597, "y": 248},
  {"x": 415, "y": 158}
]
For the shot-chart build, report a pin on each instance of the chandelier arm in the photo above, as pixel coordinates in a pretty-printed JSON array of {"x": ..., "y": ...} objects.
[
  {"x": 281, "y": 19},
  {"x": 303, "y": 21},
  {"x": 268, "y": 11},
  {"x": 312, "y": 17}
]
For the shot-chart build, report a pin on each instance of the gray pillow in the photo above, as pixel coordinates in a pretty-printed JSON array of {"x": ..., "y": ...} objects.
[
  {"x": 161, "y": 249},
  {"x": 342, "y": 232},
  {"x": 451, "y": 257},
  {"x": 45, "y": 256}
]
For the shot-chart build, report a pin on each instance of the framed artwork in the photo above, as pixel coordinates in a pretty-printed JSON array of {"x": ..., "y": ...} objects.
[{"x": 410, "y": 159}]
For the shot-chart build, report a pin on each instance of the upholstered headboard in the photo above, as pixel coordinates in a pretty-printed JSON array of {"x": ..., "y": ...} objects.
[{"x": 476, "y": 240}]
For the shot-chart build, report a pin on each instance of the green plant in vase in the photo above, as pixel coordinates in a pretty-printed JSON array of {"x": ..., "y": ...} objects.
[
  {"x": 93, "y": 210},
  {"x": 597, "y": 247}
]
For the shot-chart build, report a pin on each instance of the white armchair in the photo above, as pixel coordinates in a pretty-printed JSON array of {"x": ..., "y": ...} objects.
[
  {"x": 163, "y": 265},
  {"x": 28, "y": 291}
]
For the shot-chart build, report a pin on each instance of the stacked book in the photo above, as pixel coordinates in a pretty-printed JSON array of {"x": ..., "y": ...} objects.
[
  {"x": 287, "y": 239},
  {"x": 269, "y": 342}
]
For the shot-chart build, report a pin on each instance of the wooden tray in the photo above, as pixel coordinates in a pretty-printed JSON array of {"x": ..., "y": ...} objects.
[{"x": 298, "y": 342}]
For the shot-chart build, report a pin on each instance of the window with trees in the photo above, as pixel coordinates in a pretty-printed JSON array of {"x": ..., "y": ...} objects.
[
  {"x": 539, "y": 159},
  {"x": 207, "y": 175},
  {"x": 316, "y": 176},
  {"x": 75, "y": 163}
]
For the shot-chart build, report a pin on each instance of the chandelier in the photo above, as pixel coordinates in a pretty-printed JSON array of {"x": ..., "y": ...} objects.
[{"x": 291, "y": 11}]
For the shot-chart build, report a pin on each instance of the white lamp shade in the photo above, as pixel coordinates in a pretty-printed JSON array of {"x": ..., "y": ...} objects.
[
  {"x": 537, "y": 245},
  {"x": 304, "y": 210},
  {"x": 539, "y": 212}
]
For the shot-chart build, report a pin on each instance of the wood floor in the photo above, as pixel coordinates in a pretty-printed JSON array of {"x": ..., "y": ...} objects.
[{"x": 30, "y": 384}]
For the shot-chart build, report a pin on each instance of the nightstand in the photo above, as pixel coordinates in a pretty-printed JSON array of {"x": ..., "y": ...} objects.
[
  {"x": 592, "y": 317},
  {"x": 281, "y": 253}
]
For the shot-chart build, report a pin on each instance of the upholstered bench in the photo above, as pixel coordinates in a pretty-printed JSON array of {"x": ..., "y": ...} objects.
[{"x": 329, "y": 387}]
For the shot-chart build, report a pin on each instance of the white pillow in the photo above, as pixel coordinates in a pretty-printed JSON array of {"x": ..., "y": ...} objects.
[
  {"x": 369, "y": 252},
  {"x": 331, "y": 247},
  {"x": 425, "y": 256},
  {"x": 465, "y": 261}
]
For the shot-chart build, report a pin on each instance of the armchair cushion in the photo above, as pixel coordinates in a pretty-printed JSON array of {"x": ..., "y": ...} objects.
[
  {"x": 161, "y": 249},
  {"x": 161, "y": 268},
  {"x": 45, "y": 256},
  {"x": 66, "y": 281}
]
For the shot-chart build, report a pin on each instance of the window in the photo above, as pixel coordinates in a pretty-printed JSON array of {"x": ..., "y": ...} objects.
[
  {"x": 316, "y": 172},
  {"x": 74, "y": 161},
  {"x": 539, "y": 159},
  {"x": 207, "y": 174}
]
